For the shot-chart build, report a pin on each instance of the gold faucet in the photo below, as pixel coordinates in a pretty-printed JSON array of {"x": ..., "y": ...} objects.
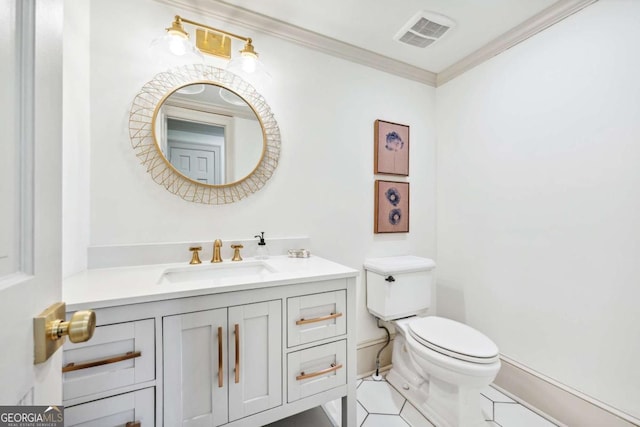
[{"x": 217, "y": 244}]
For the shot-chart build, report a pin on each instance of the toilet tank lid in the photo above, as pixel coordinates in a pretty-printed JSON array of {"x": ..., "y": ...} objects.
[{"x": 398, "y": 264}]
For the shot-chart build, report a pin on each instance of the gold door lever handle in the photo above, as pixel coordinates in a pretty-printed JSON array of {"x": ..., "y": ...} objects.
[
  {"x": 49, "y": 327},
  {"x": 79, "y": 329}
]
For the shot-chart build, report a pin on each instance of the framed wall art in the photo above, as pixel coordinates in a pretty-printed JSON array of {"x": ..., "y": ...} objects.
[
  {"x": 391, "y": 214},
  {"x": 391, "y": 148}
]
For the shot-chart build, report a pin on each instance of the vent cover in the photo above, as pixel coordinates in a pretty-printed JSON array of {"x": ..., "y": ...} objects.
[{"x": 424, "y": 29}]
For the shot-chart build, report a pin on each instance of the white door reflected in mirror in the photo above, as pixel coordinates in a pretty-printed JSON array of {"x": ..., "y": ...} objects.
[{"x": 209, "y": 134}]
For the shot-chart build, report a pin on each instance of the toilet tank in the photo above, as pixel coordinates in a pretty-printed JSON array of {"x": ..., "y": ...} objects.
[{"x": 398, "y": 286}]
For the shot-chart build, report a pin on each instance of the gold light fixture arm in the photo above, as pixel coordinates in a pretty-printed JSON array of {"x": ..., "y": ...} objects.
[
  {"x": 180, "y": 19},
  {"x": 211, "y": 40}
]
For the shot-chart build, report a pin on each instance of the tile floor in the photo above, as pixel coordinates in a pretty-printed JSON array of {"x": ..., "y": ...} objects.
[{"x": 380, "y": 405}]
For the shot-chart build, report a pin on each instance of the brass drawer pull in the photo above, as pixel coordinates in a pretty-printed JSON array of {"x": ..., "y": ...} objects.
[
  {"x": 220, "y": 381},
  {"x": 304, "y": 376},
  {"x": 73, "y": 367},
  {"x": 133, "y": 424},
  {"x": 318, "y": 319},
  {"x": 237, "y": 333}
]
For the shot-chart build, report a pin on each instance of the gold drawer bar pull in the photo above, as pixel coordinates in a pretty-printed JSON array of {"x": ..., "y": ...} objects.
[
  {"x": 318, "y": 319},
  {"x": 220, "y": 373},
  {"x": 133, "y": 424},
  {"x": 237, "y": 333},
  {"x": 304, "y": 376},
  {"x": 73, "y": 367}
]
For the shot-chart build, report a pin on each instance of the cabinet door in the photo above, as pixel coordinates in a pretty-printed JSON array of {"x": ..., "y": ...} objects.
[
  {"x": 195, "y": 376},
  {"x": 134, "y": 408},
  {"x": 255, "y": 353}
]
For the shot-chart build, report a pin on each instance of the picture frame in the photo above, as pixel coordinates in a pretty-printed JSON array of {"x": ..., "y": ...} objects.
[
  {"x": 391, "y": 212},
  {"x": 391, "y": 148}
]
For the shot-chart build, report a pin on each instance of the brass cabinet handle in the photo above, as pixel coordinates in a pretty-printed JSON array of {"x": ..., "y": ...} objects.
[
  {"x": 318, "y": 319},
  {"x": 73, "y": 367},
  {"x": 133, "y": 424},
  {"x": 220, "y": 380},
  {"x": 304, "y": 376},
  {"x": 237, "y": 333}
]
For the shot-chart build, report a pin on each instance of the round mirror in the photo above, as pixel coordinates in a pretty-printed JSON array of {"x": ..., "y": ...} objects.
[
  {"x": 204, "y": 134},
  {"x": 208, "y": 133}
]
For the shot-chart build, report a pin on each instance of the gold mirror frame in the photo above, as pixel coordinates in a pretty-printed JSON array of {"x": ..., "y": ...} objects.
[{"x": 141, "y": 133}]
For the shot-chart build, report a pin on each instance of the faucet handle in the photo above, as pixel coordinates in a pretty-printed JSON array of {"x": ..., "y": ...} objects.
[
  {"x": 195, "y": 258},
  {"x": 236, "y": 252}
]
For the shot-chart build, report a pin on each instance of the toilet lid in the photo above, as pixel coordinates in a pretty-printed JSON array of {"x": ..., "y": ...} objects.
[{"x": 453, "y": 339}]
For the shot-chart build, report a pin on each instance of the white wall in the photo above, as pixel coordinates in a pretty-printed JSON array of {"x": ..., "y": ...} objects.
[
  {"x": 76, "y": 135},
  {"x": 538, "y": 201},
  {"x": 323, "y": 186}
]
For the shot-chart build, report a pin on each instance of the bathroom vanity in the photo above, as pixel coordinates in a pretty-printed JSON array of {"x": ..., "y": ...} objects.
[{"x": 237, "y": 343}]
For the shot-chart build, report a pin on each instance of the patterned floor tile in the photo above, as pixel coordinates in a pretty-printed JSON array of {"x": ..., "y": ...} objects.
[
  {"x": 413, "y": 417},
  {"x": 378, "y": 420},
  {"x": 380, "y": 398}
]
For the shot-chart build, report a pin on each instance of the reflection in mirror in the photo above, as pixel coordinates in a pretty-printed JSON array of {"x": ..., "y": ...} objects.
[{"x": 209, "y": 134}]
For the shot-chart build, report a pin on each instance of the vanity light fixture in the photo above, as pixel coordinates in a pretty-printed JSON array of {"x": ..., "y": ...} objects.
[{"x": 212, "y": 41}]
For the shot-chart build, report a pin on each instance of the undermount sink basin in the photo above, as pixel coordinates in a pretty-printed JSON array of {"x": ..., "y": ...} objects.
[{"x": 215, "y": 271}]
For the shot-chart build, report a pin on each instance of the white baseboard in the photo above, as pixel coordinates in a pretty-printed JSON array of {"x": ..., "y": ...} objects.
[
  {"x": 366, "y": 356},
  {"x": 568, "y": 406}
]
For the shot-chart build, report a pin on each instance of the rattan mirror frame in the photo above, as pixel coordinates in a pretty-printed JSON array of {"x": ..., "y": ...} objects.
[{"x": 150, "y": 156}]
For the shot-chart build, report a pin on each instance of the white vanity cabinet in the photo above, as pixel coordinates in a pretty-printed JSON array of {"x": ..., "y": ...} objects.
[
  {"x": 227, "y": 361},
  {"x": 235, "y": 353}
]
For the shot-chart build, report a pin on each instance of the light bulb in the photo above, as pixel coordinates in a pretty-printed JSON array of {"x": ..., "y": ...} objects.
[
  {"x": 177, "y": 46},
  {"x": 172, "y": 50},
  {"x": 248, "y": 63}
]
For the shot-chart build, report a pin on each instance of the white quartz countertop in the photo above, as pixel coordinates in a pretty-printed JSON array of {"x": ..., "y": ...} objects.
[{"x": 107, "y": 287}]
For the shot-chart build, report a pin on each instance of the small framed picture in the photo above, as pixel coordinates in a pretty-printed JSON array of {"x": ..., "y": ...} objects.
[
  {"x": 391, "y": 148},
  {"x": 391, "y": 207}
]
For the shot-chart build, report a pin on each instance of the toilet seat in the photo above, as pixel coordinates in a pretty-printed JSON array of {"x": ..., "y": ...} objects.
[{"x": 453, "y": 339}]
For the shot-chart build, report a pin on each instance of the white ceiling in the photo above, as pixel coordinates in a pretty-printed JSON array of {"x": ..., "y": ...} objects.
[{"x": 372, "y": 24}]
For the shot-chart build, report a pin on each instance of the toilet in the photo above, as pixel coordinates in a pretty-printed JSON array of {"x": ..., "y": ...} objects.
[{"x": 438, "y": 364}]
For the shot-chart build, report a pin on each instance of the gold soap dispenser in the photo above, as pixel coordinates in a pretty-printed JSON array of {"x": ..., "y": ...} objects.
[{"x": 261, "y": 252}]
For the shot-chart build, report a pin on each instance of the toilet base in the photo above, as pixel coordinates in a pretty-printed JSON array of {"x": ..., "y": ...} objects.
[{"x": 442, "y": 403}]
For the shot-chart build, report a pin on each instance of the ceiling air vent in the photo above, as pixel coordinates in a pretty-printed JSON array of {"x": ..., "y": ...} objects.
[{"x": 424, "y": 29}]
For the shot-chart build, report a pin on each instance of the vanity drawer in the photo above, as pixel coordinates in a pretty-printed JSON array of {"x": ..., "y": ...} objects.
[
  {"x": 316, "y": 369},
  {"x": 129, "y": 409},
  {"x": 118, "y": 355},
  {"x": 315, "y": 317}
]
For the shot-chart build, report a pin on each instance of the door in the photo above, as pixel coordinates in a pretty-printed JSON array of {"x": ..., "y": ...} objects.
[
  {"x": 195, "y": 368},
  {"x": 199, "y": 165},
  {"x": 255, "y": 352},
  {"x": 30, "y": 190}
]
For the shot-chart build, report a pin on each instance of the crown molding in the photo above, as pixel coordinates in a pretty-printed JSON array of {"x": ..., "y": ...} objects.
[
  {"x": 254, "y": 21},
  {"x": 532, "y": 26}
]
